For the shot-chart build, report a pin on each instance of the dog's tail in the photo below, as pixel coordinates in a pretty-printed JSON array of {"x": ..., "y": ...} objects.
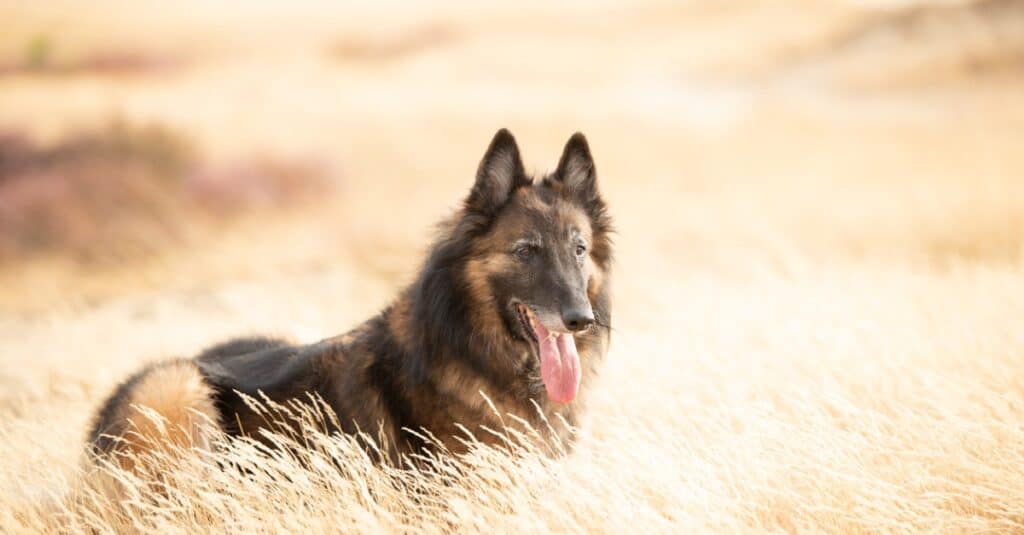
[
  {"x": 165, "y": 408},
  {"x": 159, "y": 413}
]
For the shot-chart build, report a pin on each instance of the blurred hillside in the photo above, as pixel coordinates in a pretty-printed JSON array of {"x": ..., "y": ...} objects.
[
  {"x": 396, "y": 102},
  {"x": 920, "y": 46}
]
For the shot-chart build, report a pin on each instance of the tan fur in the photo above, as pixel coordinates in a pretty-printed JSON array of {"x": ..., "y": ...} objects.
[
  {"x": 582, "y": 223},
  {"x": 596, "y": 278},
  {"x": 165, "y": 413},
  {"x": 398, "y": 320},
  {"x": 578, "y": 219},
  {"x": 478, "y": 271},
  {"x": 529, "y": 199},
  {"x": 168, "y": 408}
]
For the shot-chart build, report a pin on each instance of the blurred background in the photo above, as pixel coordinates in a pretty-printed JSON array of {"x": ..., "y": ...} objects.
[
  {"x": 145, "y": 148},
  {"x": 820, "y": 212}
]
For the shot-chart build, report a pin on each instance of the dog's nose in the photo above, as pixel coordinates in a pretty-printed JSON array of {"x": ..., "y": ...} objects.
[{"x": 577, "y": 319}]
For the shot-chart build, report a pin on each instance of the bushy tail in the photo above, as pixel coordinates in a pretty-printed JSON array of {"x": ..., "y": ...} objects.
[{"x": 165, "y": 409}]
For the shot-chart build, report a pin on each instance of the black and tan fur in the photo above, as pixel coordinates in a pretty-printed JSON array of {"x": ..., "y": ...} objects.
[{"x": 422, "y": 362}]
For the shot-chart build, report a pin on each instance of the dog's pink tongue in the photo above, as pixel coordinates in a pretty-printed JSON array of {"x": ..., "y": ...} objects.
[{"x": 559, "y": 364}]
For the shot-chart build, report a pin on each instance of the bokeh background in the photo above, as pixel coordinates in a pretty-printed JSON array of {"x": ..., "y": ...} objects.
[{"x": 820, "y": 212}]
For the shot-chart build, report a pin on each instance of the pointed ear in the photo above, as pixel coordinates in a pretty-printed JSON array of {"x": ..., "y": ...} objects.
[
  {"x": 576, "y": 170},
  {"x": 500, "y": 173}
]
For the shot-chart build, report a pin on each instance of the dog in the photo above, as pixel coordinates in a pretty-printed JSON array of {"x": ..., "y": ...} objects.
[{"x": 512, "y": 303}]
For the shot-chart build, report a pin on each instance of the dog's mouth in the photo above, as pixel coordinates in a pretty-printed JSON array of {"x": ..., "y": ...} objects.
[{"x": 559, "y": 360}]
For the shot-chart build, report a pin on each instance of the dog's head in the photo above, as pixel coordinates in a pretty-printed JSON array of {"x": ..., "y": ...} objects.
[{"x": 539, "y": 256}]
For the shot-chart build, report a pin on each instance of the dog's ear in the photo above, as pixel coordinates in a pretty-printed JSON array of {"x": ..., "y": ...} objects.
[
  {"x": 500, "y": 173},
  {"x": 576, "y": 171}
]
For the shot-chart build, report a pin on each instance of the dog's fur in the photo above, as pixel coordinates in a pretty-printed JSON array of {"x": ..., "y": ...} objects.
[{"x": 423, "y": 362}]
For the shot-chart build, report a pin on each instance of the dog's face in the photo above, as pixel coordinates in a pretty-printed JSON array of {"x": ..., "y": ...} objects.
[{"x": 541, "y": 260}]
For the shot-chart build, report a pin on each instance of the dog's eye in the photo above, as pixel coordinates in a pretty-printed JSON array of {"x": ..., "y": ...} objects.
[
  {"x": 580, "y": 249},
  {"x": 524, "y": 252}
]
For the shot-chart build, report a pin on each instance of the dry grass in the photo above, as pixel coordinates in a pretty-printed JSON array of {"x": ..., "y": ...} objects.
[
  {"x": 851, "y": 399},
  {"x": 819, "y": 294}
]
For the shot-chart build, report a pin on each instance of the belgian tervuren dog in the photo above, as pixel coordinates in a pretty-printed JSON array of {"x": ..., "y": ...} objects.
[{"x": 512, "y": 302}]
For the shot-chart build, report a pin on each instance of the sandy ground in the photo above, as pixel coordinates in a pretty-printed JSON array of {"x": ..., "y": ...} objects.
[{"x": 819, "y": 285}]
